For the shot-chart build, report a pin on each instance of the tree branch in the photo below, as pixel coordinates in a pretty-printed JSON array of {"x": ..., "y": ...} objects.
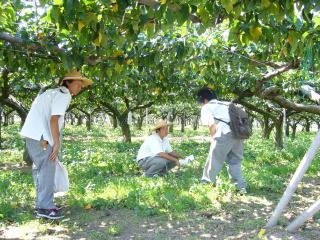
[
  {"x": 310, "y": 93},
  {"x": 33, "y": 45},
  {"x": 284, "y": 68},
  {"x": 142, "y": 106},
  {"x": 112, "y": 109},
  {"x": 295, "y": 106},
  {"x": 255, "y": 109},
  {"x": 16, "y": 105}
]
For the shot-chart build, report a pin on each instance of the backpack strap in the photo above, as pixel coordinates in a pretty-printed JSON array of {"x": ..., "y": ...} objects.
[
  {"x": 221, "y": 103},
  {"x": 221, "y": 120}
]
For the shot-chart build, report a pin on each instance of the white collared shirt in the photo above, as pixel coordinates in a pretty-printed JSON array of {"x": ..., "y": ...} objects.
[
  {"x": 216, "y": 109},
  {"x": 51, "y": 102},
  {"x": 154, "y": 145}
]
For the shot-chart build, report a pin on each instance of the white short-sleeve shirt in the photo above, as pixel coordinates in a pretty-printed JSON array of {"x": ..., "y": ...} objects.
[
  {"x": 216, "y": 109},
  {"x": 154, "y": 145},
  {"x": 51, "y": 102}
]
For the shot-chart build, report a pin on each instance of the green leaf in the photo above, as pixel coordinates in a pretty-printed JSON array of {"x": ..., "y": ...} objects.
[
  {"x": 58, "y": 2},
  {"x": 185, "y": 12},
  {"x": 227, "y": 4},
  {"x": 169, "y": 16},
  {"x": 204, "y": 15},
  {"x": 54, "y": 13}
]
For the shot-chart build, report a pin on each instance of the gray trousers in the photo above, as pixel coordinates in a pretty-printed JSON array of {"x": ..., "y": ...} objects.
[
  {"x": 225, "y": 149},
  {"x": 43, "y": 171},
  {"x": 156, "y": 165}
]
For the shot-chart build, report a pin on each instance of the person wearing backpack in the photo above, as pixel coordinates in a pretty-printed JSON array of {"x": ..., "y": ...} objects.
[
  {"x": 41, "y": 130},
  {"x": 225, "y": 147}
]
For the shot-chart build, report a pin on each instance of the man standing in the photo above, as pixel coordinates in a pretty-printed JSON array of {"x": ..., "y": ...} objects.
[
  {"x": 224, "y": 146},
  {"x": 155, "y": 155},
  {"x": 42, "y": 132}
]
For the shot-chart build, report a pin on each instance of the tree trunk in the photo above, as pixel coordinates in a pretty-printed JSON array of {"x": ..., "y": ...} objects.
[
  {"x": 287, "y": 129},
  {"x": 140, "y": 119},
  {"x": 6, "y": 120},
  {"x": 294, "y": 130},
  {"x": 183, "y": 122},
  {"x": 139, "y": 123},
  {"x": 307, "y": 126},
  {"x": 171, "y": 119},
  {"x": 195, "y": 124},
  {"x": 79, "y": 122},
  {"x": 125, "y": 128},
  {"x": 266, "y": 127},
  {"x": 88, "y": 122},
  {"x": 279, "y": 132},
  {"x": 26, "y": 157},
  {"x": 266, "y": 132},
  {"x": 72, "y": 119},
  {"x": 114, "y": 121}
]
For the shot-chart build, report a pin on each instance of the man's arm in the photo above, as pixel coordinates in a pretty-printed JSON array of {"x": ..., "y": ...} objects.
[
  {"x": 176, "y": 155},
  {"x": 212, "y": 129},
  {"x": 54, "y": 126},
  {"x": 168, "y": 157}
]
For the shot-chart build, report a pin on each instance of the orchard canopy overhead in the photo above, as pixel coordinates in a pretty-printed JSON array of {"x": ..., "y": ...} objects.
[{"x": 267, "y": 49}]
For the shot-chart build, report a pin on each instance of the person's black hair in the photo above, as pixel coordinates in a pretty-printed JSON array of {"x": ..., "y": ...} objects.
[{"x": 206, "y": 93}]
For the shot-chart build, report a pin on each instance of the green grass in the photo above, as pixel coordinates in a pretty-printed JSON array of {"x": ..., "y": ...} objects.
[{"x": 104, "y": 175}]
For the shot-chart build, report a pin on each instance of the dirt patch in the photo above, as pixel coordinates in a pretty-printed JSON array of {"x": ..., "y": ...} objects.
[{"x": 241, "y": 219}]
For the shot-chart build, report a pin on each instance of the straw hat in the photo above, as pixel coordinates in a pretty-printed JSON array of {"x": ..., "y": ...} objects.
[
  {"x": 161, "y": 123},
  {"x": 75, "y": 75}
]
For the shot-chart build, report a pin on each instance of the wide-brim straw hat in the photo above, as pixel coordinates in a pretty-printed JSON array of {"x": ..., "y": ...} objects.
[
  {"x": 75, "y": 75},
  {"x": 161, "y": 123}
]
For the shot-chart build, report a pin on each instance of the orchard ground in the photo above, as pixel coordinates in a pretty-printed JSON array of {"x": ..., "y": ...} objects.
[{"x": 109, "y": 199}]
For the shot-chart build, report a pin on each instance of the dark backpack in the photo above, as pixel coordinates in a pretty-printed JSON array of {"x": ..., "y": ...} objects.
[{"x": 239, "y": 122}]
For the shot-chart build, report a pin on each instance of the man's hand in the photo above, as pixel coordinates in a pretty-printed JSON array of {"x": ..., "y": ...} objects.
[
  {"x": 54, "y": 126},
  {"x": 178, "y": 163},
  {"x": 55, "y": 152}
]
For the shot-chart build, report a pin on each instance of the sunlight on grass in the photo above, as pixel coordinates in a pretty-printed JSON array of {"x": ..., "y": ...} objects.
[{"x": 104, "y": 175}]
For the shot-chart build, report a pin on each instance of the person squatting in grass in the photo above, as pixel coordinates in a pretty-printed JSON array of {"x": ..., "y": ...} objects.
[
  {"x": 42, "y": 130},
  {"x": 224, "y": 146},
  {"x": 155, "y": 155}
]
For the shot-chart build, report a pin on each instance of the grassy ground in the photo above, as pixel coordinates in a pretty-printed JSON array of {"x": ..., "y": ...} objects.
[{"x": 108, "y": 198}]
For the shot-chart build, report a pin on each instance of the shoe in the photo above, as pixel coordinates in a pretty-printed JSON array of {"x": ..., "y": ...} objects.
[
  {"x": 242, "y": 191},
  {"x": 49, "y": 214},
  {"x": 57, "y": 208}
]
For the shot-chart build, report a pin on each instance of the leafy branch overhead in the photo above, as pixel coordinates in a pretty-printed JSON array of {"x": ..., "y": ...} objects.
[{"x": 147, "y": 51}]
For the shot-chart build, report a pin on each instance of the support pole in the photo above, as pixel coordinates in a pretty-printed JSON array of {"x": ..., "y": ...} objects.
[
  {"x": 1, "y": 126},
  {"x": 315, "y": 207},
  {"x": 284, "y": 129},
  {"x": 303, "y": 167}
]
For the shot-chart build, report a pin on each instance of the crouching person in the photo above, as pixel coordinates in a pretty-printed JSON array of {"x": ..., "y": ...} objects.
[
  {"x": 42, "y": 130},
  {"x": 155, "y": 155}
]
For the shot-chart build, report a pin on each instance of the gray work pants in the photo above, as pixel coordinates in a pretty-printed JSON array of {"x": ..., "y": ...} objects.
[
  {"x": 43, "y": 171},
  {"x": 156, "y": 165},
  {"x": 225, "y": 149}
]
